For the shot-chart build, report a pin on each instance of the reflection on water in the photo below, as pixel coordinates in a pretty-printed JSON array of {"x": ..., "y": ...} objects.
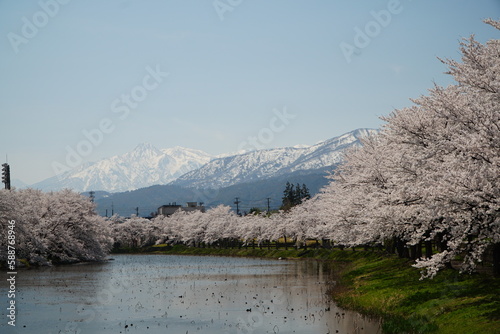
[{"x": 180, "y": 294}]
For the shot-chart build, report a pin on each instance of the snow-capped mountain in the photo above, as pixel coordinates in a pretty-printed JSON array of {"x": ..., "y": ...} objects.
[
  {"x": 144, "y": 166},
  {"x": 147, "y": 165},
  {"x": 262, "y": 164}
]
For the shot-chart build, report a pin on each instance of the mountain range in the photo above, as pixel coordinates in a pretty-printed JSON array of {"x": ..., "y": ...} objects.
[
  {"x": 142, "y": 167},
  {"x": 263, "y": 164},
  {"x": 149, "y": 177}
]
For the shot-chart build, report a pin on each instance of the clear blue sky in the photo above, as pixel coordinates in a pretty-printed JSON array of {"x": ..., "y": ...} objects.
[{"x": 227, "y": 71}]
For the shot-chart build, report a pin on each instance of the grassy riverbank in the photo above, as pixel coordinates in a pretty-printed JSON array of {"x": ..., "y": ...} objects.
[{"x": 385, "y": 286}]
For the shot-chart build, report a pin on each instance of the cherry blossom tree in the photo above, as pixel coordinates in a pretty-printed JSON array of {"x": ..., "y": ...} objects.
[
  {"x": 222, "y": 224},
  {"x": 431, "y": 175},
  {"x": 56, "y": 227},
  {"x": 135, "y": 232},
  {"x": 192, "y": 226}
]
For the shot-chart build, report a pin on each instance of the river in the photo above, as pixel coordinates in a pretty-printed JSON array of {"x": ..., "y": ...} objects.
[{"x": 150, "y": 294}]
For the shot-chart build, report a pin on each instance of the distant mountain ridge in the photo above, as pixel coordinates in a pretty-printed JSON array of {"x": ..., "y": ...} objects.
[
  {"x": 145, "y": 166},
  {"x": 268, "y": 163}
]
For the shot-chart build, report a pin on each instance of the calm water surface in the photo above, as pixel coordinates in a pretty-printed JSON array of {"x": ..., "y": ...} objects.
[{"x": 151, "y": 294}]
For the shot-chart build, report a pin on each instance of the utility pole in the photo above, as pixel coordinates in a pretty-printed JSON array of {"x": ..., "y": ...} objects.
[
  {"x": 268, "y": 206},
  {"x": 237, "y": 202}
]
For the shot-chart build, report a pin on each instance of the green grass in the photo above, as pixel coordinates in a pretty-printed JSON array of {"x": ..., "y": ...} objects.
[
  {"x": 389, "y": 287},
  {"x": 385, "y": 286}
]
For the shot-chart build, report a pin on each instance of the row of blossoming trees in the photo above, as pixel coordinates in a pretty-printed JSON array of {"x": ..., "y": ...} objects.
[
  {"x": 426, "y": 187},
  {"x": 56, "y": 227}
]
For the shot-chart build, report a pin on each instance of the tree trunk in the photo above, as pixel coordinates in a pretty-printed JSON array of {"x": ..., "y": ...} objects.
[
  {"x": 390, "y": 245},
  {"x": 441, "y": 244},
  {"x": 496, "y": 259},
  {"x": 419, "y": 250},
  {"x": 398, "y": 247},
  {"x": 416, "y": 251},
  {"x": 412, "y": 252},
  {"x": 406, "y": 252},
  {"x": 428, "y": 249}
]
